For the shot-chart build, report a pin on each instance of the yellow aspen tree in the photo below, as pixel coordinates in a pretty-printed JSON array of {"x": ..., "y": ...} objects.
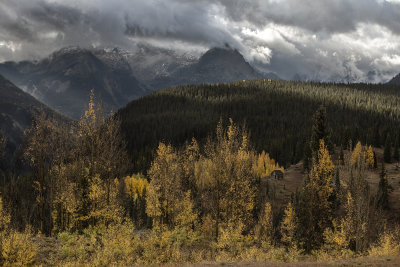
[
  {"x": 264, "y": 165},
  {"x": 370, "y": 157},
  {"x": 356, "y": 223},
  {"x": 264, "y": 230},
  {"x": 355, "y": 156},
  {"x": 165, "y": 187},
  {"x": 99, "y": 152},
  {"x": 136, "y": 188},
  {"x": 187, "y": 217},
  {"x": 105, "y": 208},
  {"x": 226, "y": 178},
  {"x": 288, "y": 226}
]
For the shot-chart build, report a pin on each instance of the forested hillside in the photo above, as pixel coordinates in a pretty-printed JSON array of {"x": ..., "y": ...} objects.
[
  {"x": 214, "y": 197},
  {"x": 277, "y": 113},
  {"x": 17, "y": 111}
]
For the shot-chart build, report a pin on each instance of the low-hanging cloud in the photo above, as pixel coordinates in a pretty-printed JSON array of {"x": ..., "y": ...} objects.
[{"x": 353, "y": 40}]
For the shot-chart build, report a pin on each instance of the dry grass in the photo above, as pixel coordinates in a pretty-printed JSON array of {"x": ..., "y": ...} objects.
[{"x": 363, "y": 261}]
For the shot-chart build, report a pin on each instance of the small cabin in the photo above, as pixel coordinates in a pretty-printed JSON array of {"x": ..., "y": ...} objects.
[{"x": 277, "y": 174}]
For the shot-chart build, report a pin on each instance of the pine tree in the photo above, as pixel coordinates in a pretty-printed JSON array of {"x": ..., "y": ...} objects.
[
  {"x": 384, "y": 190},
  {"x": 341, "y": 156},
  {"x": 2, "y": 146},
  {"x": 320, "y": 131},
  {"x": 387, "y": 153},
  {"x": 337, "y": 192},
  {"x": 396, "y": 154}
]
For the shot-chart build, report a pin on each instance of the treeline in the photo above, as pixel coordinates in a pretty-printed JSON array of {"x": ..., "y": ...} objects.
[
  {"x": 276, "y": 113},
  {"x": 199, "y": 201}
]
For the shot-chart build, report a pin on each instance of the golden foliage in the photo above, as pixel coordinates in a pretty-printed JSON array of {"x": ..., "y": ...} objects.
[
  {"x": 114, "y": 245},
  {"x": 355, "y": 156},
  {"x": 187, "y": 217},
  {"x": 165, "y": 187},
  {"x": 105, "y": 207},
  {"x": 336, "y": 243},
  {"x": 264, "y": 165},
  {"x": 264, "y": 230},
  {"x": 136, "y": 186},
  {"x": 388, "y": 244},
  {"x": 288, "y": 226},
  {"x": 316, "y": 211},
  {"x": 231, "y": 242},
  {"x": 4, "y": 217},
  {"x": 370, "y": 157},
  {"x": 16, "y": 249}
]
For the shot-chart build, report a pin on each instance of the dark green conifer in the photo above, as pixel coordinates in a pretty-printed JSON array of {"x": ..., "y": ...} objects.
[
  {"x": 396, "y": 155},
  {"x": 383, "y": 190},
  {"x": 387, "y": 154}
]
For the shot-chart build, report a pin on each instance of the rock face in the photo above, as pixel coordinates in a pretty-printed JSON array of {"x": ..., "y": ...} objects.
[
  {"x": 17, "y": 110},
  {"x": 64, "y": 79},
  {"x": 217, "y": 65}
]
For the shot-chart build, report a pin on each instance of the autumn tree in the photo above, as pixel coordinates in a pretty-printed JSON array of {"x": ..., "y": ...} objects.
[
  {"x": 315, "y": 210},
  {"x": 99, "y": 153},
  {"x": 226, "y": 178},
  {"x": 136, "y": 188},
  {"x": 94, "y": 158},
  {"x": 356, "y": 223},
  {"x": 265, "y": 165},
  {"x": 264, "y": 230},
  {"x": 370, "y": 157},
  {"x": 165, "y": 189},
  {"x": 41, "y": 153},
  {"x": 289, "y": 226}
]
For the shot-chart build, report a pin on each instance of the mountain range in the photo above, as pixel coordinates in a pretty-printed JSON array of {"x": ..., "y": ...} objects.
[{"x": 63, "y": 80}]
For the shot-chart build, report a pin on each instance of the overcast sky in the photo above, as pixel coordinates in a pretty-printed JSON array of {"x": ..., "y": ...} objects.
[{"x": 358, "y": 40}]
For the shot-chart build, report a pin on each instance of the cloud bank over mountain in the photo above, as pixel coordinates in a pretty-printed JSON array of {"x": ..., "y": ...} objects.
[{"x": 331, "y": 40}]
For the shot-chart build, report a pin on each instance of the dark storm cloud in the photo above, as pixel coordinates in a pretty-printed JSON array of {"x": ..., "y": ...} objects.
[
  {"x": 330, "y": 16},
  {"x": 319, "y": 39},
  {"x": 32, "y": 23},
  {"x": 191, "y": 22}
]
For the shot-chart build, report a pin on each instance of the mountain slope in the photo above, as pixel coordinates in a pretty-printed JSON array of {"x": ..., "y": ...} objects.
[
  {"x": 149, "y": 63},
  {"x": 217, "y": 65},
  {"x": 64, "y": 79},
  {"x": 278, "y": 115},
  {"x": 395, "y": 80},
  {"x": 17, "y": 110}
]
